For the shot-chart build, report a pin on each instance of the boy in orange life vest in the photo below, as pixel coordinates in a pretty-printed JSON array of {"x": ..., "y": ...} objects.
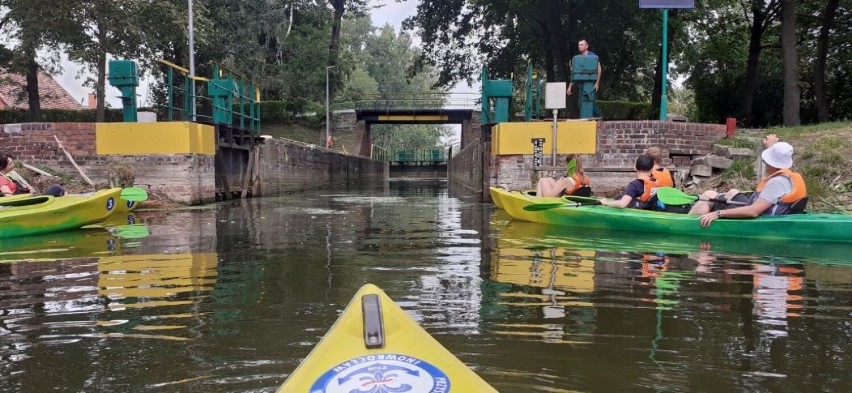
[
  {"x": 639, "y": 191},
  {"x": 661, "y": 175},
  {"x": 776, "y": 194},
  {"x": 578, "y": 184}
]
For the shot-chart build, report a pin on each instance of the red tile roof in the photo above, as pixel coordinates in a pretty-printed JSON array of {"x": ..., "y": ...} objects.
[{"x": 53, "y": 96}]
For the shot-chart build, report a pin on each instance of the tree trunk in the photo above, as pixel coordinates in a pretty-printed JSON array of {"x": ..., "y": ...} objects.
[
  {"x": 753, "y": 62},
  {"x": 33, "y": 98},
  {"x": 334, "y": 45},
  {"x": 792, "y": 93},
  {"x": 822, "y": 54},
  {"x": 100, "y": 86},
  {"x": 558, "y": 46}
]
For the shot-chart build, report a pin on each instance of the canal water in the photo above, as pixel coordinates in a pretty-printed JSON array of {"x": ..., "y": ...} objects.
[{"x": 230, "y": 298}]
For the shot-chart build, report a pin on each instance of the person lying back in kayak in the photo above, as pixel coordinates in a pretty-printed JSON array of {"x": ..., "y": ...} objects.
[
  {"x": 578, "y": 184},
  {"x": 662, "y": 176},
  {"x": 10, "y": 186},
  {"x": 640, "y": 191},
  {"x": 779, "y": 191}
]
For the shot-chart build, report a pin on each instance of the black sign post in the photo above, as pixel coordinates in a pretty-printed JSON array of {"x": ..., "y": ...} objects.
[
  {"x": 538, "y": 151},
  {"x": 666, "y": 3}
]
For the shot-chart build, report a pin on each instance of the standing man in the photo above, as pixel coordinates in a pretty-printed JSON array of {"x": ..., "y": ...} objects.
[{"x": 583, "y": 47}]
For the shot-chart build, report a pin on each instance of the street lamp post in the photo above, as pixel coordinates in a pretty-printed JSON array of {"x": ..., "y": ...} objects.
[
  {"x": 327, "y": 108},
  {"x": 191, "y": 33}
]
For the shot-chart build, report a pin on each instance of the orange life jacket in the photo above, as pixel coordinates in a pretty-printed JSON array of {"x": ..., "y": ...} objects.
[
  {"x": 663, "y": 177},
  {"x": 799, "y": 189},
  {"x": 650, "y": 189},
  {"x": 580, "y": 181}
]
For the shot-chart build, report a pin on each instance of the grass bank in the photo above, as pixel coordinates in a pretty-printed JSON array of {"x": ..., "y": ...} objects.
[{"x": 823, "y": 155}]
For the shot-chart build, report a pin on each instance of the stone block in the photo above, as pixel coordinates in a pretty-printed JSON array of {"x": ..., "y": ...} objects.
[
  {"x": 701, "y": 170},
  {"x": 718, "y": 162},
  {"x": 740, "y": 152},
  {"x": 721, "y": 150}
]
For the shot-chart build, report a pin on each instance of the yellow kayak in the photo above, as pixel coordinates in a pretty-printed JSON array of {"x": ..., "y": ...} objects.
[
  {"x": 43, "y": 214},
  {"x": 376, "y": 347}
]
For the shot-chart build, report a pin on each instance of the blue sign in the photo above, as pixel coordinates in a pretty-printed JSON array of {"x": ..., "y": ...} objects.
[{"x": 666, "y": 3}]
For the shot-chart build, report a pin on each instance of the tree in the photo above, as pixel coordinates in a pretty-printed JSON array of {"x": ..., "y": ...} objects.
[
  {"x": 35, "y": 24},
  {"x": 763, "y": 15},
  {"x": 356, "y": 7},
  {"x": 792, "y": 93},
  {"x": 460, "y": 36},
  {"x": 822, "y": 53}
]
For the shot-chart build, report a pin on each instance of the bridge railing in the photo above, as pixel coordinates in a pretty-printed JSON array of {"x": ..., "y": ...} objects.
[
  {"x": 379, "y": 153},
  {"x": 419, "y": 156},
  {"x": 426, "y": 100}
]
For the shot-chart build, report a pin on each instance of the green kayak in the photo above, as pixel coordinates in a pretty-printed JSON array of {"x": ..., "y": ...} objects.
[{"x": 801, "y": 227}]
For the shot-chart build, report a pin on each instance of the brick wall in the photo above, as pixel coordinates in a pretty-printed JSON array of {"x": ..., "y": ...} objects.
[
  {"x": 185, "y": 178},
  {"x": 289, "y": 166},
  {"x": 620, "y": 142}
]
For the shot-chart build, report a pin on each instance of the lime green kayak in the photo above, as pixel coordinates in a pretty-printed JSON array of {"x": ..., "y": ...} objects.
[
  {"x": 376, "y": 347},
  {"x": 43, "y": 214},
  {"x": 797, "y": 227}
]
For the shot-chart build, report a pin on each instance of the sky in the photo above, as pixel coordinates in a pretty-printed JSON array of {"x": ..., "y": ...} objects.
[{"x": 390, "y": 12}]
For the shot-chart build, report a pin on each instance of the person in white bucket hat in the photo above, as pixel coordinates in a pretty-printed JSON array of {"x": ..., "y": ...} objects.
[{"x": 781, "y": 191}]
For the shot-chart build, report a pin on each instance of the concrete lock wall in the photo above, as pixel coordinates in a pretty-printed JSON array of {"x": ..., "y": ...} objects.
[{"x": 289, "y": 166}]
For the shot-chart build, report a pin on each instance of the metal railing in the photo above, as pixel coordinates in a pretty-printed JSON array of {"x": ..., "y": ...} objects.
[
  {"x": 228, "y": 98},
  {"x": 419, "y": 156},
  {"x": 242, "y": 93},
  {"x": 182, "y": 100}
]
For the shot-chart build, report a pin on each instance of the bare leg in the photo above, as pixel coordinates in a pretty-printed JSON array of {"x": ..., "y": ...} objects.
[
  {"x": 544, "y": 187},
  {"x": 703, "y": 207}
]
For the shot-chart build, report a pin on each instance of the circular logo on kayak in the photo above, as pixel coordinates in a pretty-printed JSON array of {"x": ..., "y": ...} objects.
[
  {"x": 383, "y": 373},
  {"x": 110, "y": 204}
]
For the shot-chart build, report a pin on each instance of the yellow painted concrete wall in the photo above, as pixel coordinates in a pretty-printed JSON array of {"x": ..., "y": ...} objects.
[
  {"x": 572, "y": 137},
  {"x": 155, "y": 138}
]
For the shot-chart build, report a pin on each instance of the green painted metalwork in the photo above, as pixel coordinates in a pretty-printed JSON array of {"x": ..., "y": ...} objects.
[
  {"x": 419, "y": 155},
  {"x": 227, "y": 89},
  {"x": 124, "y": 76},
  {"x": 179, "y": 87},
  {"x": 500, "y": 90},
  {"x": 230, "y": 98},
  {"x": 532, "y": 102}
]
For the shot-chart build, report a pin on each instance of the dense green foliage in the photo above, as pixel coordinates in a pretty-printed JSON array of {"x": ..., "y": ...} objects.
[{"x": 726, "y": 53}]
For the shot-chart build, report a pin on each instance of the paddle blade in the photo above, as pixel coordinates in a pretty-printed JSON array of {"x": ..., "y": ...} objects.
[
  {"x": 572, "y": 168},
  {"x": 135, "y": 194},
  {"x": 673, "y": 196},
  {"x": 543, "y": 206},
  {"x": 583, "y": 200}
]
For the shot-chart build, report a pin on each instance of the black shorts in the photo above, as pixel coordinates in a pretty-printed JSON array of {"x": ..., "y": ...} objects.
[{"x": 724, "y": 206}]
